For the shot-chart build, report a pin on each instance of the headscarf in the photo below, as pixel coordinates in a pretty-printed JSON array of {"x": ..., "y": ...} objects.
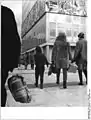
[
  {"x": 81, "y": 35},
  {"x": 38, "y": 49},
  {"x": 61, "y": 37}
]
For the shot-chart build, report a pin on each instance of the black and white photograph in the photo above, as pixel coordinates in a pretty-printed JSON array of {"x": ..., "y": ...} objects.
[{"x": 44, "y": 60}]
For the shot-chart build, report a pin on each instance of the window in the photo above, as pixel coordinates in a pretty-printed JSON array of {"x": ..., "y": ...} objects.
[
  {"x": 52, "y": 25},
  {"x": 60, "y": 30},
  {"x": 68, "y": 19},
  {"x": 52, "y": 29},
  {"x": 53, "y": 32},
  {"x": 75, "y": 32},
  {"x": 83, "y": 20},
  {"x": 68, "y": 32}
]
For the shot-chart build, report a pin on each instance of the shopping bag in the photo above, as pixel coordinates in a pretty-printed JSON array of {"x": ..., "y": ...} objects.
[{"x": 72, "y": 68}]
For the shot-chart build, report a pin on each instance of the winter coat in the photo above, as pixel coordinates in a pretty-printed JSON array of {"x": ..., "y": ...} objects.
[
  {"x": 40, "y": 60},
  {"x": 10, "y": 40},
  {"x": 80, "y": 55},
  {"x": 60, "y": 54}
]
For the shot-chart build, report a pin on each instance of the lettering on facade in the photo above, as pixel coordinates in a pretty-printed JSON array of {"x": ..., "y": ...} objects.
[{"x": 71, "y": 7}]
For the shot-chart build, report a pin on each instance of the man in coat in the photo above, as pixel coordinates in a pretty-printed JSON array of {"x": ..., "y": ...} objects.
[
  {"x": 10, "y": 48},
  {"x": 80, "y": 57},
  {"x": 60, "y": 56}
]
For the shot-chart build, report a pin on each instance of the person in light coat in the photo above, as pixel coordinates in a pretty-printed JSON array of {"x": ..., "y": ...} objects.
[{"x": 60, "y": 57}]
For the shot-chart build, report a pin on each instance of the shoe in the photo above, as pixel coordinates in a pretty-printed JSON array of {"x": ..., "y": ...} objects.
[
  {"x": 41, "y": 86},
  {"x": 57, "y": 83},
  {"x": 80, "y": 84},
  {"x": 64, "y": 87},
  {"x": 86, "y": 82},
  {"x": 36, "y": 85}
]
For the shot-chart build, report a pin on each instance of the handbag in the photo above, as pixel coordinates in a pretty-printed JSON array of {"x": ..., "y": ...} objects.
[
  {"x": 72, "y": 68},
  {"x": 52, "y": 69}
]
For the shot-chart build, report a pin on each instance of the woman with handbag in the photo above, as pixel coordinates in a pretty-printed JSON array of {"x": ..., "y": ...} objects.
[
  {"x": 80, "y": 57},
  {"x": 60, "y": 56}
]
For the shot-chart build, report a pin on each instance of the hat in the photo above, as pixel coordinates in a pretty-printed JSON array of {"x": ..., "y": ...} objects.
[
  {"x": 81, "y": 35},
  {"x": 38, "y": 49},
  {"x": 61, "y": 36}
]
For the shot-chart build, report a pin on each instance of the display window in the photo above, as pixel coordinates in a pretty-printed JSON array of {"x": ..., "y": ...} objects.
[{"x": 52, "y": 29}]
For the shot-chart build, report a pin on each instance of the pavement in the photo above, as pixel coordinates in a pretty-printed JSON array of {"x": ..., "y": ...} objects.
[{"x": 52, "y": 95}]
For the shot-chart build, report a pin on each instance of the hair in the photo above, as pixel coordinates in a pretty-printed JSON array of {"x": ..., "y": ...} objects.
[
  {"x": 61, "y": 37},
  {"x": 38, "y": 49},
  {"x": 81, "y": 35}
]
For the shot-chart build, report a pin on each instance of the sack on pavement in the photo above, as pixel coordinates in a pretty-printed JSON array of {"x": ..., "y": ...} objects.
[{"x": 19, "y": 89}]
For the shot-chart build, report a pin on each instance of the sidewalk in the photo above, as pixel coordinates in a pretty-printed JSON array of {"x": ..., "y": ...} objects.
[{"x": 52, "y": 94}]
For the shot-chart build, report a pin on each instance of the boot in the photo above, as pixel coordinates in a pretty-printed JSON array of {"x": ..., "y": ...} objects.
[
  {"x": 58, "y": 76},
  {"x": 64, "y": 78},
  {"x": 41, "y": 83},
  {"x": 80, "y": 77},
  {"x": 36, "y": 84},
  {"x": 57, "y": 82},
  {"x": 85, "y": 73},
  {"x": 41, "y": 86},
  {"x": 64, "y": 84}
]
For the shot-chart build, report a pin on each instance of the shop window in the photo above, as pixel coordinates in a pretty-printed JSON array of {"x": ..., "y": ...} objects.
[
  {"x": 53, "y": 32},
  {"x": 76, "y": 18},
  {"x": 68, "y": 33},
  {"x": 68, "y": 19},
  {"x": 83, "y": 20},
  {"x": 75, "y": 33},
  {"x": 60, "y": 30},
  {"x": 52, "y": 29},
  {"x": 52, "y": 25},
  {"x": 60, "y": 25}
]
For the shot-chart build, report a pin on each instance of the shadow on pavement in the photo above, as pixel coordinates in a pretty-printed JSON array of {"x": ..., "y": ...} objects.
[{"x": 46, "y": 85}]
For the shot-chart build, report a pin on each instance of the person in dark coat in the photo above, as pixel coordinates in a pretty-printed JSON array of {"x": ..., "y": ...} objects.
[
  {"x": 10, "y": 48},
  {"x": 80, "y": 57},
  {"x": 60, "y": 56},
  {"x": 40, "y": 61}
]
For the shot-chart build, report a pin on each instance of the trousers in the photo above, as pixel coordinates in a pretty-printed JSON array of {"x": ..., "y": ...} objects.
[
  {"x": 64, "y": 76},
  {"x": 39, "y": 72}
]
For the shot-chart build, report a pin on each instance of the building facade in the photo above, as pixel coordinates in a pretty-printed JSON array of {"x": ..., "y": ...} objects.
[{"x": 49, "y": 17}]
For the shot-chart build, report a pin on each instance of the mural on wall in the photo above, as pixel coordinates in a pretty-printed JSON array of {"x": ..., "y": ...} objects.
[{"x": 71, "y": 7}]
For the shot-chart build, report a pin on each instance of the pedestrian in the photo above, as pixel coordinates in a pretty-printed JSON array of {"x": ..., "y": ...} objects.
[
  {"x": 80, "y": 56},
  {"x": 32, "y": 61},
  {"x": 60, "y": 56},
  {"x": 40, "y": 61},
  {"x": 26, "y": 60},
  {"x": 10, "y": 48}
]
